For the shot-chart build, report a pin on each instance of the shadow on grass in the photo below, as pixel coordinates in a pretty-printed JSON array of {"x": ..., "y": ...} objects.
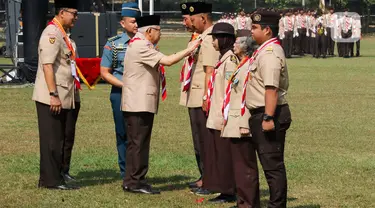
[
  {"x": 264, "y": 202},
  {"x": 97, "y": 177},
  {"x": 170, "y": 183},
  {"x": 308, "y": 206}
]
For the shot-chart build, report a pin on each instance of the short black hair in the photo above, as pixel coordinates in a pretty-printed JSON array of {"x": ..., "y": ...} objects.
[{"x": 274, "y": 29}]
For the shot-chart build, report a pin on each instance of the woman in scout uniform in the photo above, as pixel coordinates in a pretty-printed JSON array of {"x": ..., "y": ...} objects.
[
  {"x": 236, "y": 128},
  {"x": 218, "y": 174},
  {"x": 111, "y": 70}
]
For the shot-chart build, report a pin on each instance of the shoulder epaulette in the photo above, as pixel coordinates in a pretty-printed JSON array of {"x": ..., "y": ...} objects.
[{"x": 114, "y": 38}]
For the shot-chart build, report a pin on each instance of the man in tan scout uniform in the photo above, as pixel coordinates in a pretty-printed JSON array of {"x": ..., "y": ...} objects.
[
  {"x": 185, "y": 79},
  {"x": 200, "y": 15},
  {"x": 140, "y": 98},
  {"x": 265, "y": 98},
  {"x": 56, "y": 97}
]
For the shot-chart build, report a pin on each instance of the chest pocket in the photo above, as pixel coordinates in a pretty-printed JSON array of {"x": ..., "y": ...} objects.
[
  {"x": 121, "y": 56},
  {"x": 253, "y": 70}
]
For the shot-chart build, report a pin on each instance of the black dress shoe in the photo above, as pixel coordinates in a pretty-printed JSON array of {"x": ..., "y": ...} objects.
[
  {"x": 223, "y": 198},
  {"x": 142, "y": 190},
  {"x": 67, "y": 177},
  {"x": 62, "y": 187},
  {"x": 201, "y": 192}
]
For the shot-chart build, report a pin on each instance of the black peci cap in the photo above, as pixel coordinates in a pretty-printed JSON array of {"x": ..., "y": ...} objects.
[
  {"x": 71, "y": 4},
  {"x": 148, "y": 20},
  {"x": 266, "y": 18},
  {"x": 200, "y": 7},
  {"x": 184, "y": 7}
]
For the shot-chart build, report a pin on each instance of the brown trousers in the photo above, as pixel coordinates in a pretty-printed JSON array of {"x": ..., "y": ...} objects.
[
  {"x": 245, "y": 171},
  {"x": 70, "y": 132},
  {"x": 56, "y": 138},
  {"x": 138, "y": 131},
  {"x": 199, "y": 132},
  {"x": 218, "y": 169},
  {"x": 270, "y": 149}
]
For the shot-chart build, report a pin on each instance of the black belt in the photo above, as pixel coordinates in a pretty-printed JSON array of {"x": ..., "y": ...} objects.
[{"x": 262, "y": 109}]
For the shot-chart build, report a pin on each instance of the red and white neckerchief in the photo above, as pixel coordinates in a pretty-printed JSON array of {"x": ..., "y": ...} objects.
[
  {"x": 163, "y": 83},
  {"x": 290, "y": 26},
  {"x": 251, "y": 60},
  {"x": 194, "y": 36},
  {"x": 211, "y": 84},
  {"x": 303, "y": 21},
  {"x": 347, "y": 25},
  {"x": 243, "y": 22},
  {"x": 162, "y": 74},
  {"x": 73, "y": 55},
  {"x": 226, "y": 102},
  {"x": 132, "y": 40},
  {"x": 189, "y": 65}
]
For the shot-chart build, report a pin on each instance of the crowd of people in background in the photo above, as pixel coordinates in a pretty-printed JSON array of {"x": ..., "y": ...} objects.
[{"x": 310, "y": 31}]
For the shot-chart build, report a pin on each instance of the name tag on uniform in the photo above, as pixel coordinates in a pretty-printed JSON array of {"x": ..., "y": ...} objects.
[{"x": 73, "y": 67}]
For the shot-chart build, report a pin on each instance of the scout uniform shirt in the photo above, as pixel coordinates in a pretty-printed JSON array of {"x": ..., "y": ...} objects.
[
  {"x": 53, "y": 50},
  {"x": 142, "y": 77},
  {"x": 269, "y": 69},
  {"x": 183, "y": 95},
  {"x": 114, "y": 54},
  {"x": 356, "y": 27},
  {"x": 228, "y": 66},
  {"x": 235, "y": 120},
  {"x": 207, "y": 56},
  {"x": 281, "y": 28}
]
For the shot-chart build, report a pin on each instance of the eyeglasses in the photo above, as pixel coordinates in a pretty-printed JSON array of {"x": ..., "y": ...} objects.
[
  {"x": 75, "y": 14},
  {"x": 154, "y": 28}
]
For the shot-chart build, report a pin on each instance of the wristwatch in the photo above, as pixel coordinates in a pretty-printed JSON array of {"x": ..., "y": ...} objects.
[
  {"x": 204, "y": 98},
  {"x": 54, "y": 94},
  {"x": 267, "y": 117}
]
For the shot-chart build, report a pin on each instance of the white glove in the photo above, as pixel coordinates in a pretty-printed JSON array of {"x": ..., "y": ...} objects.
[
  {"x": 307, "y": 34},
  {"x": 297, "y": 35},
  {"x": 325, "y": 32}
]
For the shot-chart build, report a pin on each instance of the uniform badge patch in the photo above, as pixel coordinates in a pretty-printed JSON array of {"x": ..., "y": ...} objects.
[
  {"x": 228, "y": 75},
  {"x": 269, "y": 48},
  {"x": 257, "y": 17},
  {"x": 233, "y": 59},
  {"x": 52, "y": 40}
]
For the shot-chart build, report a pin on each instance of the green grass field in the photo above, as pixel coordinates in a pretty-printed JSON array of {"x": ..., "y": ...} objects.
[{"x": 330, "y": 152}]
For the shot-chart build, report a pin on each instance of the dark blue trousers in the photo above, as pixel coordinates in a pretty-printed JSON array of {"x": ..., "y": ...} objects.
[{"x": 121, "y": 140}]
